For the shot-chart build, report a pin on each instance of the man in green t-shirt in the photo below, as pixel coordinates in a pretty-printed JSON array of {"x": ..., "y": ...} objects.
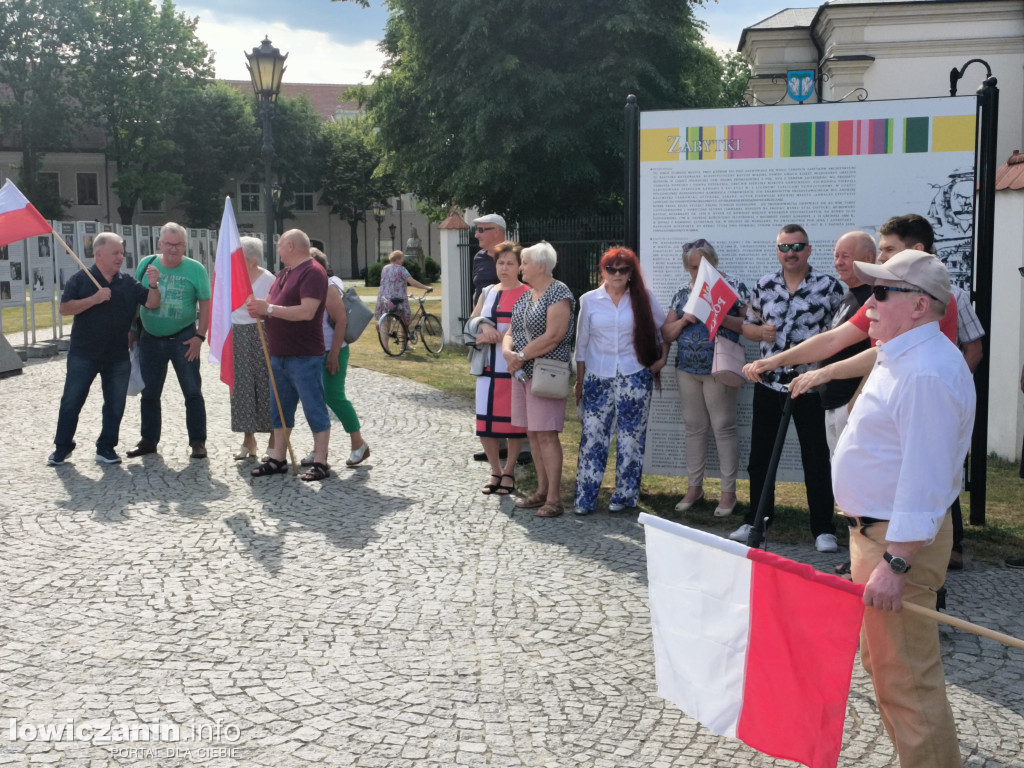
[{"x": 171, "y": 334}]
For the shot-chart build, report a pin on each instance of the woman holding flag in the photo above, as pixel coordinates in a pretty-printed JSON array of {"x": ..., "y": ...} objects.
[
  {"x": 705, "y": 402},
  {"x": 619, "y": 353}
]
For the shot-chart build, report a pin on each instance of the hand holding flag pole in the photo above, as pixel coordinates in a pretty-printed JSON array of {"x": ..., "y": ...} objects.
[{"x": 231, "y": 290}]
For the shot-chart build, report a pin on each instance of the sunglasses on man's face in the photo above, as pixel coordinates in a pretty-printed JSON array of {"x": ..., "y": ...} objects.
[
  {"x": 881, "y": 292},
  {"x": 617, "y": 270},
  {"x": 485, "y": 229},
  {"x": 794, "y": 247}
]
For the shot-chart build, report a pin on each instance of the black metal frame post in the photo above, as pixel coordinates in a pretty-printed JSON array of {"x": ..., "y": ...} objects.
[
  {"x": 985, "y": 163},
  {"x": 632, "y": 187},
  {"x": 267, "y": 117}
]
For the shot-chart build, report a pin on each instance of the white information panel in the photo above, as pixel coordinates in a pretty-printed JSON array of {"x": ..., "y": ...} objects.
[
  {"x": 736, "y": 176},
  {"x": 12, "y": 275}
]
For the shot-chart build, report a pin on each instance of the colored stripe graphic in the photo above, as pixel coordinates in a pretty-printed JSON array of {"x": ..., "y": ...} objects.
[
  {"x": 916, "y": 132},
  {"x": 837, "y": 138},
  {"x": 953, "y": 134},
  {"x": 701, "y": 142},
  {"x": 656, "y": 145},
  {"x": 751, "y": 141}
]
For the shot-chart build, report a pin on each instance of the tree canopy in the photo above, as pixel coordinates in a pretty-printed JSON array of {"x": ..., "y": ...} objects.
[{"x": 519, "y": 107}]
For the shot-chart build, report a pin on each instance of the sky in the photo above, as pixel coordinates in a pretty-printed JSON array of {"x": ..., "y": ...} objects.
[{"x": 336, "y": 42}]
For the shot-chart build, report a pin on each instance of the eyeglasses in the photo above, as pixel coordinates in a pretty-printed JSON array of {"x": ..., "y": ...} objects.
[
  {"x": 794, "y": 247},
  {"x": 687, "y": 247},
  {"x": 485, "y": 229},
  {"x": 617, "y": 270},
  {"x": 881, "y": 292},
  {"x": 172, "y": 245}
]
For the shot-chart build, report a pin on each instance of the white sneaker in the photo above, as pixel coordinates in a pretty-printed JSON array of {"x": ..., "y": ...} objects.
[
  {"x": 741, "y": 533},
  {"x": 826, "y": 542},
  {"x": 616, "y": 507},
  {"x": 581, "y": 511}
]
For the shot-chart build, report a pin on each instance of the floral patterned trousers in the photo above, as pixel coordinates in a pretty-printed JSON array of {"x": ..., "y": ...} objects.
[{"x": 621, "y": 402}]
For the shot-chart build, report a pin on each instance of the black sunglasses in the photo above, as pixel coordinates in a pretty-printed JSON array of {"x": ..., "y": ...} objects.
[
  {"x": 617, "y": 270},
  {"x": 687, "y": 247},
  {"x": 881, "y": 292},
  {"x": 794, "y": 247}
]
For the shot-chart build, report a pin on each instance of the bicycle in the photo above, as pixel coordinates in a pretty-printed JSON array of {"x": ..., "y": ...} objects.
[{"x": 395, "y": 335}]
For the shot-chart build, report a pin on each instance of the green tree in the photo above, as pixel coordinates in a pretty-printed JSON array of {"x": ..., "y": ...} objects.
[
  {"x": 219, "y": 139},
  {"x": 735, "y": 76},
  {"x": 525, "y": 116},
  {"x": 353, "y": 177},
  {"x": 143, "y": 59},
  {"x": 296, "y": 164},
  {"x": 39, "y": 64}
]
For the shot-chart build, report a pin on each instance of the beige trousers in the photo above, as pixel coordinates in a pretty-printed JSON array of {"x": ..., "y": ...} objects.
[
  {"x": 708, "y": 405},
  {"x": 900, "y": 651}
]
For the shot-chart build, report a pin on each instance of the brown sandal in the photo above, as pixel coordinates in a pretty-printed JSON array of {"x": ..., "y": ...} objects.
[
  {"x": 532, "y": 502},
  {"x": 549, "y": 510}
]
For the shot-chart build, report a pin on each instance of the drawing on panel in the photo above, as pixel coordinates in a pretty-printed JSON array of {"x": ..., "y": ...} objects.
[
  {"x": 5, "y": 291},
  {"x": 15, "y": 271},
  {"x": 951, "y": 214}
]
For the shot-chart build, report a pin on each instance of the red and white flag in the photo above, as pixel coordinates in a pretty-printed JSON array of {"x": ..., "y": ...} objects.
[
  {"x": 752, "y": 645},
  {"x": 231, "y": 288},
  {"x": 18, "y": 217},
  {"x": 711, "y": 298}
]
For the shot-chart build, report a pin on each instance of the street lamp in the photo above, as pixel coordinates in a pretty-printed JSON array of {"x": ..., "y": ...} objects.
[
  {"x": 266, "y": 68},
  {"x": 379, "y": 211}
]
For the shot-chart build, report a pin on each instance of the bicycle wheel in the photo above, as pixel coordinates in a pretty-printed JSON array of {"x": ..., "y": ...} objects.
[
  {"x": 433, "y": 337},
  {"x": 392, "y": 334}
]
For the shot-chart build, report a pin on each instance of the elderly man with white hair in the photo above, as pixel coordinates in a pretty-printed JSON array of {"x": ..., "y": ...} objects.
[{"x": 897, "y": 470}]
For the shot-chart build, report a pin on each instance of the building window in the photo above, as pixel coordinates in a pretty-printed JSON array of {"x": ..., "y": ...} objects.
[
  {"x": 250, "y": 199},
  {"x": 152, "y": 206},
  {"x": 49, "y": 185},
  {"x": 304, "y": 198},
  {"x": 88, "y": 189}
]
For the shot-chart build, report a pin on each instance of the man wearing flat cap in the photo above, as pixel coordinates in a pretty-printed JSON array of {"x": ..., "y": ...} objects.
[
  {"x": 490, "y": 232},
  {"x": 896, "y": 470}
]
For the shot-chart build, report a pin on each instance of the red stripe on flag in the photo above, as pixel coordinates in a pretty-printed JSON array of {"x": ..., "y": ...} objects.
[
  {"x": 804, "y": 628},
  {"x": 227, "y": 361},
  {"x": 21, "y": 223}
]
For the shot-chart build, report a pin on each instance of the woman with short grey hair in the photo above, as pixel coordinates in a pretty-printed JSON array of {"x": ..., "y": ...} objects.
[
  {"x": 541, "y": 327},
  {"x": 250, "y": 396}
]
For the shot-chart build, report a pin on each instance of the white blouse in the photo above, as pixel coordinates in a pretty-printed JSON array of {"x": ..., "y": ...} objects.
[
  {"x": 260, "y": 289},
  {"x": 604, "y": 338}
]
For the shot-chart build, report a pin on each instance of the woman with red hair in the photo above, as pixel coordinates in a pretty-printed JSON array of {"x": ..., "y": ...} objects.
[{"x": 619, "y": 352}]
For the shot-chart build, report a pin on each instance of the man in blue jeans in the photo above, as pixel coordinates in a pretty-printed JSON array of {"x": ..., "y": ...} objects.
[
  {"x": 170, "y": 334},
  {"x": 103, "y": 312}
]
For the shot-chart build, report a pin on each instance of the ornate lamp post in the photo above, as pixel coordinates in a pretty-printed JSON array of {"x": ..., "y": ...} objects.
[
  {"x": 391, "y": 229},
  {"x": 266, "y": 68},
  {"x": 379, "y": 211}
]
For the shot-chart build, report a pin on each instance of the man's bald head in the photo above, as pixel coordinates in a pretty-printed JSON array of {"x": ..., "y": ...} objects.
[
  {"x": 293, "y": 247},
  {"x": 853, "y": 247}
]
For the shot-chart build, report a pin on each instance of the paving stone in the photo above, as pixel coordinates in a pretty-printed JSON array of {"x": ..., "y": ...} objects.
[{"x": 389, "y": 617}]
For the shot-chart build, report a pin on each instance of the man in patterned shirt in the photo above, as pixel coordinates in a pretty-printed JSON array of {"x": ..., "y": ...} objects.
[{"x": 786, "y": 308}]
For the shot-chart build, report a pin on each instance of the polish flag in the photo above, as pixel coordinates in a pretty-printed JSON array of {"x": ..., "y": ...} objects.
[
  {"x": 752, "y": 645},
  {"x": 711, "y": 297},
  {"x": 18, "y": 217},
  {"x": 231, "y": 288}
]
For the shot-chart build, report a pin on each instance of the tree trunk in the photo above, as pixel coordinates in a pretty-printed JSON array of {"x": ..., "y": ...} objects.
[{"x": 354, "y": 244}]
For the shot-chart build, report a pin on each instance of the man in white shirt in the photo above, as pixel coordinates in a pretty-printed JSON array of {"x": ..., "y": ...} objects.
[{"x": 896, "y": 470}]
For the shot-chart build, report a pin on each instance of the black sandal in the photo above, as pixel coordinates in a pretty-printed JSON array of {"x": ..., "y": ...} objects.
[
  {"x": 270, "y": 467},
  {"x": 505, "y": 490},
  {"x": 316, "y": 471},
  {"x": 490, "y": 488}
]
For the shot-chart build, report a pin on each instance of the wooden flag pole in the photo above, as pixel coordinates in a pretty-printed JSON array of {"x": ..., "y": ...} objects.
[
  {"x": 75, "y": 257},
  {"x": 977, "y": 629},
  {"x": 277, "y": 397}
]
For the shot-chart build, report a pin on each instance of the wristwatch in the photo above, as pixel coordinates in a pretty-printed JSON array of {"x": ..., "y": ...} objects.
[
  {"x": 521, "y": 355},
  {"x": 270, "y": 309},
  {"x": 897, "y": 564}
]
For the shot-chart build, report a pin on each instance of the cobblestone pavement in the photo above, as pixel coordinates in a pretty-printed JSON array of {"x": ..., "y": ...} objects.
[{"x": 391, "y": 616}]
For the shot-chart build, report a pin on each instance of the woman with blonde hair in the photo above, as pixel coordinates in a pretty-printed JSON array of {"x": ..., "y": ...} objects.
[{"x": 394, "y": 279}]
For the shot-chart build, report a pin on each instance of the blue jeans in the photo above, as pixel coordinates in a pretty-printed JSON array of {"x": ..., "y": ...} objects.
[
  {"x": 81, "y": 373},
  {"x": 300, "y": 378},
  {"x": 154, "y": 355}
]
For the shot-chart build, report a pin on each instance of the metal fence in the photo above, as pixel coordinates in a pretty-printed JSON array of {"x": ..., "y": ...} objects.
[{"x": 579, "y": 241}]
